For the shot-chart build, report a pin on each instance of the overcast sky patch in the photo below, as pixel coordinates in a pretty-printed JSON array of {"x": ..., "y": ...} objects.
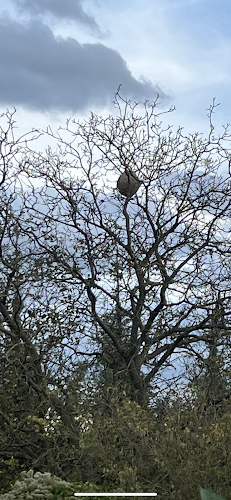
[
  {"x": 68, "y": 9},
  {"x": 183, "y": 45},
  {"x": 44, "y": 72}
]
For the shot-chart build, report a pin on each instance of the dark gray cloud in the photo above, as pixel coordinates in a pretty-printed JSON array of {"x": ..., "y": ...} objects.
[
  {"x": 44, "y": 72},
  {"x": 63, "y": 9}
]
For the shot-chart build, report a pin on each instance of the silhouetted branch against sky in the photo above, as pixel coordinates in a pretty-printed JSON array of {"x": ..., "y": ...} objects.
[{"x": 160, "y": 258}]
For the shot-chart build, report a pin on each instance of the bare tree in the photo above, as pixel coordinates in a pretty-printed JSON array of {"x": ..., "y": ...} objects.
[
  {"x": 38, "y": 420},
  {"x": 157, "y": 260}
]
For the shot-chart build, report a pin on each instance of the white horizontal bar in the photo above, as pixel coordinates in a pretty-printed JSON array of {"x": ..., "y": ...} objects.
[{"x": 115, "y": 494}]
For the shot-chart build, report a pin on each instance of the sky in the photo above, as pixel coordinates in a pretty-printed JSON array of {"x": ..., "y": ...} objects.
[{"x": 62, "y": 59}]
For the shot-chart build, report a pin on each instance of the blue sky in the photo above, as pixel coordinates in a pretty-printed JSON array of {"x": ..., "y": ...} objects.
[{"x": 64, "y": 58}]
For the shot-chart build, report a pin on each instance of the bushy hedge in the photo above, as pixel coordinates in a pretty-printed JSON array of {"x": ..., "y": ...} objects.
[
  {"x": 37, "y": 486},
  {"x": 130, "y": 449},
  {"x": 44, "y": 486}
]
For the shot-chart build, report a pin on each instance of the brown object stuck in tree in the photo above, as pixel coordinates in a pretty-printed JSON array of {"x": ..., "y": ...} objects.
[{"x": 128, "y": 184}]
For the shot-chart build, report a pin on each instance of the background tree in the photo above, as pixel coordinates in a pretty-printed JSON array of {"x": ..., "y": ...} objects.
[
  {"x": 155, "y": 258},
  {"x": 37, "y": 417},
  {"x": 209, "y": 372}
]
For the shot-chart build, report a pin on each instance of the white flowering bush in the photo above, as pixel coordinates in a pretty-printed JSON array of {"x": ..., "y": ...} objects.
[
  {"x": 39, "y": 486},
  {"x": 43, "y": 486}
]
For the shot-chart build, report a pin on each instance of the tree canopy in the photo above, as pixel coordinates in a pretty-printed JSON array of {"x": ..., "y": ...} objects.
[{"x": 149, "y": 273}]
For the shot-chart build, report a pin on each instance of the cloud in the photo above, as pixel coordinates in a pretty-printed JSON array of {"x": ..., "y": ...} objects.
[
  {"x": 68, "y": 9},
  {"x": 43, "y": 72}
]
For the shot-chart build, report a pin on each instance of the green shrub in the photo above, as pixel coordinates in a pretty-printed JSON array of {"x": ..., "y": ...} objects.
[
  {"x": 37, "y": 486},
  {"x": 43, "y": 486}
]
